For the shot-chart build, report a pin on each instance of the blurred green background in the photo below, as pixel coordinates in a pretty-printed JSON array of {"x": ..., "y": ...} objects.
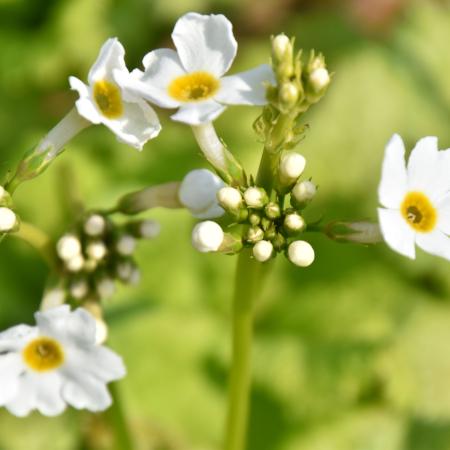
[{"x": 352, "y": 353}]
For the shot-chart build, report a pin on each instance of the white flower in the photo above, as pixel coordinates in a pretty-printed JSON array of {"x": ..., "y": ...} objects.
[
  {"x": 104, "y": 101},
  {"x": 416, "y": 198},
  {"x": 56, "y": 363},
  {"x": 207, "y": 236},
  {"x": 198, "y": 193},
  {"x": 191, "y": 78},
  {"x": 8, "y": 219}
]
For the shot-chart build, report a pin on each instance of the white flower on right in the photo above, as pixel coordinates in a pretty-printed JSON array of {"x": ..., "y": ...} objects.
[
  {"x": 191, "y": 78},
  {"x": 415, "y": 198},
  {"x": 132, "y": 120}
]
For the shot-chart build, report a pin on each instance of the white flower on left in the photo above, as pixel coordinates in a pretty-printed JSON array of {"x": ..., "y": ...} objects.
[
  {"x": 56, "y": 363},
  {"x": 191, "y": 78},
  {"x": 416, "y": 198},
  {"x": 104, "y": 101}
]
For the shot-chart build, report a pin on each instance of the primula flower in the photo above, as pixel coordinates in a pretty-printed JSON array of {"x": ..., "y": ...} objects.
[
  {"x": 56, "y": 363},
  {"x": 191, "y": 78},
  {"x": 104, "y": 101},
  {"x": 416, "y": 198}
]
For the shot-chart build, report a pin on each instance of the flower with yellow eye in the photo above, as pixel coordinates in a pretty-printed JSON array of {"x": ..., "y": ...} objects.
[
  {"x": 191, "y": 78},
  {"x": 416, "y": 198},
  {"x": 56, "y": 363},
  {"x": 104, "y": 101}
]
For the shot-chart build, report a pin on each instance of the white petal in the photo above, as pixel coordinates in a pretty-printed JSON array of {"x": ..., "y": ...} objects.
[
  {"x": 49, "y": 401},
  {"x": 246, "y": 88},
  {"x": 435, "y": 243},
  {"x": 443, "y": 208},
  {"x": 205, "y": 42},
  {"x": 79, "y": 86},
  {"x": 428, "y": 169},
  {"x": 25, "y": 400},
  {"x": 392, "y": 188},
  {"x": 88, "y": 110},
  {"x": 161, "y": 68},
  {"x": 111, "y": 56},
  {"x": 15, "y": 337},
  {"x": 198, "y": 113},
  {"x": 136, "y": 126},
  {"x": 11, "y": 367},
  {"x": 396, "y": 232},
  {"x": 86, "y": 392}
]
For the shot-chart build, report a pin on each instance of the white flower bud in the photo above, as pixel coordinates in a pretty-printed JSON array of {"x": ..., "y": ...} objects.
[
  {"x": 53, "y": 298},
  {"x": 126, "y": 245},
  {"x": 96, "y": 250},
  {"x": 124, "y": 270},
  {"x": 281, "y": 44},
  {"x": 301, "y": 253},
  {"x": 68, "y": 247},
  {"x": 255, "y": 197},
  {"x": 319, "y": 79},
  {"x": 230, "y": 198},
  {"x": 75, "y": 264},
  {"x": 8, "y": 219},
  {"x": 207, "y": 236},
  {"x": 304, "y": 192},
  {"x": 289, "y": 94},
  {"x": 79, "y": 289},
  {"x": 262, "y": 251},
  {"x": 198, "y": 193},
  {"x": 95, "y": 225},
  {"x": 292, "y": 166},
  {"x": 149, "y": 229},
  {"x": 294, "y": 222},
  {"x": 106, "y": 287}
]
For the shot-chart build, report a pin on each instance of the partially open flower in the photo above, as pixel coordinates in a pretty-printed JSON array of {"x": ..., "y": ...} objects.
[
  {"x": 56, "y": 363},
  {"x": 191, "y": 78},
  {"x": 416, "y": 198},
  {"x": 104, "y": 101}
]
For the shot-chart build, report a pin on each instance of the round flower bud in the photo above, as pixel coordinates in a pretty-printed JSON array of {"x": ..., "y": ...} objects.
[
  {"x": 272, "y": 211},
  {"x": 135, "y": 276},
  {"x": 105, "y": 287},
  {"x": 319, "y": 79},
  {"x": 281, "y": 46},
  {"x": 304, "y": 192},
  {"x": 288, "y": 94},
  {"x": 79, "y": 289},
  {"x": 292, "y": 166},
  {"x": 8, "y": 220},
  {"x": 126, "y": 245},
  {"x": 254, "y": 219},
  {"x": 124, "y": 270},
  {"x": 198, "y": 193},
  {"x": 207, "y": 236},
  {"x": 230, "y": 198},
  {"x": 262, "y": 251},
  {"x": 96, "y": 250},
  {"x": 95, "y": 225},
  {"x": 255, "y": 197},
  {"x": 301, "y": 253},
  {"x": 149, "y": 229},
  {"x": 294, "y": 223},
  {"x": 53, "y": 298},
  {"x": 68, "y": 247},
  {"x": 75, "y": 264},
  {"x": 254, "y": 234}
]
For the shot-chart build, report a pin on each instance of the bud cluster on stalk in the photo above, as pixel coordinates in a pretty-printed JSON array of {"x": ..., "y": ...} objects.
[
  {"x": 99, "y": 252},
  {"x": 9, "y": 222}
]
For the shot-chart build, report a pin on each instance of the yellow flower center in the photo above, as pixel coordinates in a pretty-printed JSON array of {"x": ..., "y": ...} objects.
[
  {"x": 194, "y": 87},
  {"x": 108, "y": 99},
  {"x": 42, "y": 354},
  {"x": 419, "y": 212}
]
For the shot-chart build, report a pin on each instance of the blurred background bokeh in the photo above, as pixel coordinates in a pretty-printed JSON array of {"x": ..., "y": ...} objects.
[{"x": 352, "y": 353}]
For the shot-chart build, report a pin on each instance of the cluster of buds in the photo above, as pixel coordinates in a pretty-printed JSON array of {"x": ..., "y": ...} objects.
[
  {"x": 265, "y": 224},
  {"x": 99, "y": 252},
  {"x": 8, "y": 219}
]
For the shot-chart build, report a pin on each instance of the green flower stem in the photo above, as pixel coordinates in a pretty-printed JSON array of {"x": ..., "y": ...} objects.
[{"x": 39, "y": 240}]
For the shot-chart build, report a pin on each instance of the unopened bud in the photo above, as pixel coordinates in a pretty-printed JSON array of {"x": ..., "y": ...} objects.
[
  {"x": 288, "y": 95},
  {"x": 231, "y": 244},
  {"x": 96, "y": 250},
  {"x": 281, "y": 47},
  {"x": 75, "y": 264},
  {"x": 301, "y": 253},
  {"x": 95, "y": 225},
  {"x": 106, "y": 287},
  {"x": 90, "y": 265},
  {"x": 126, "y": 245},
  {"x": 207, "y": 236},
  {"x": 358, "y": 232},
  {"x": 256, "y": 197},
  {"x": 262, "y": 251},
  {"x": 79, "y": 289},
  {"x": 68, "y": 247},
  {"x": 279, "y": 242},
  {"x": 319, "y": 79},
  {"x": 230, "y": 199},
  {"x": 272, "y": 211},
  {"x": 254, "y": 234},
  {"x": 8, "y": 219},
  {"x": 149, "y": 229},
  {"x": 124, "y": 270},
  {"x": 294, "y": 223},
  {"x": 254, "y": 219},
  {"x": 53, "y": 298},
  {"x": 303, "y": 193},
  {"x": 291, "y": 167}
]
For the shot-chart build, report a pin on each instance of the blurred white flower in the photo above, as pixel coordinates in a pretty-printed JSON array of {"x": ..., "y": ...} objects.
[
  {"x": 416, "y": 198},
  {"x": 198, "y": 193},
  {"x": 191, "y": 78},
  {"x": 104, "y": 101},
  {"x": 56, "y": 363}
]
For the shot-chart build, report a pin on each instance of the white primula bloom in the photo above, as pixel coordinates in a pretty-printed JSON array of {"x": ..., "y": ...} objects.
[
  {"x": 198, "y": 193},
  {"x": 207, "y": 236},
  {"x": 191, "y": 78},
  {"x": 415, "y": 198},
  {"x": 56, "y": 363},
  {"x": 104, "y": 101}
]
